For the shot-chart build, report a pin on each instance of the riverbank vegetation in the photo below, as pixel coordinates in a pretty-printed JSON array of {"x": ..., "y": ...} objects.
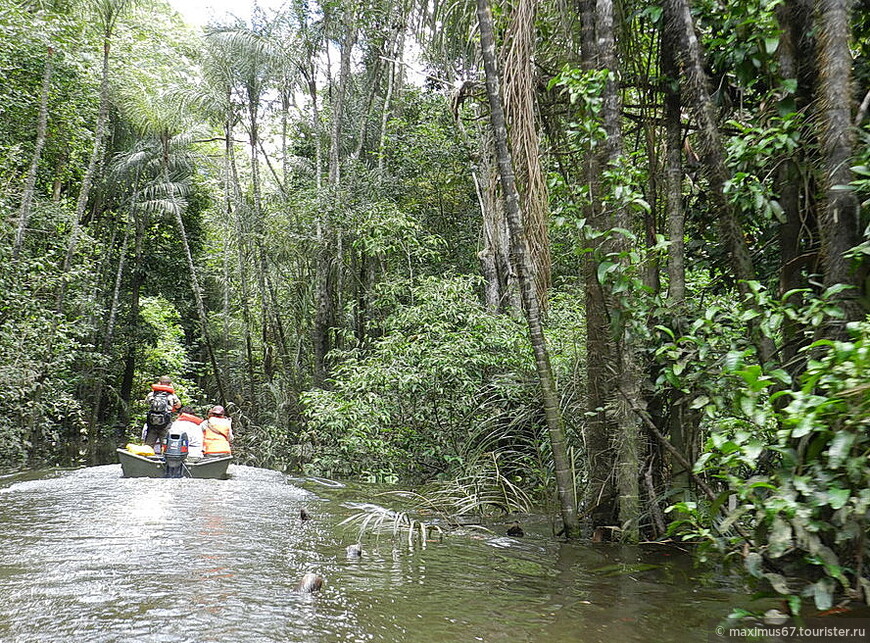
[{"x": 609, "y": 257}]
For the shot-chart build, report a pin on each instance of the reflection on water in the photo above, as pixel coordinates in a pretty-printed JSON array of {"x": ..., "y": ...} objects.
[{"x": 89, "y": 556}]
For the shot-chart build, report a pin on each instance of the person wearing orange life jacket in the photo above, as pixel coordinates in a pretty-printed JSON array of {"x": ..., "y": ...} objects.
[
  {"x": 217, "y": 433},
  {"x": 161, "y": 402},
  {"x": 187, "y": 422}
]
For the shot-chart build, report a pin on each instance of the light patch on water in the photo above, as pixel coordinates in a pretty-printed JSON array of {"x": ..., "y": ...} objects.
[{"x": 146, "y": 509}]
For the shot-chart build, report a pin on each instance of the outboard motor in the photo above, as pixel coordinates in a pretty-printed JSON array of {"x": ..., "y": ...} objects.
[{"x": 175, "y": 452}]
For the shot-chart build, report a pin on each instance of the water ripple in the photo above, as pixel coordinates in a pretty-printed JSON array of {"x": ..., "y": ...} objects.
[{"x": 88, "y": 556}]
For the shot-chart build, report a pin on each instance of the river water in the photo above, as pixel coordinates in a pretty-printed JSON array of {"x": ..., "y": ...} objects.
[{"x": 86, "y": 555}]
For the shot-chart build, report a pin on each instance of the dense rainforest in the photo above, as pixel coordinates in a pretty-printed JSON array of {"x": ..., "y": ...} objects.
[{"x": 603, "y": 257}]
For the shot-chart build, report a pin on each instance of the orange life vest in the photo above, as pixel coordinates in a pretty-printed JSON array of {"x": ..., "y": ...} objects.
[
  {"x": 216, "y": 435},
  {"x": 187, "y": 417},
  {"x": 162, "y": 388}
]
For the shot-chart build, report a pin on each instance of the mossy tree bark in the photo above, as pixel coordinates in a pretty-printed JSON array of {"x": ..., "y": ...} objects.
[
  {"x": 838, "y": 220},
  {"x": 600, "y": 502},
  {"x": 628, "y": 376}
]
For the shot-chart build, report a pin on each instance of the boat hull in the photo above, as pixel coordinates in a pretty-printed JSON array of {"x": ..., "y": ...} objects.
[{"x": 140, "y": 466}]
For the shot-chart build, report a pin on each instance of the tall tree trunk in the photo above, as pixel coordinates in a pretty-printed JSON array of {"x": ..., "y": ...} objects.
[
  {"x": 324, "y": 295},
  {"x": 95, "y": 159},
  {"x": 315, "y": 127},
  {"x": 108, "y": 337},
  {"x": 679, "y": 420},
  {"x": 792, "y": 22},
  {"x": 651, "y": 269},
  {"x": 364, "y": 117},
  {"x": 234, "y": 195},
  {"x": 396, "y": 54},
  {"x": 600, "y": 499},
  {"x": 673, "y": 175},
  {"x": 200, "y": 307},
  {"x": 385, "y": 117},
  {"x": 838, "y": 221},
  {"x": 323, "y": 302},
  {"x": 520, "y": 110},
  {"x": 41, "y": 128},
  {"x": 194, "y": 281},
  {"x": 309, "y": 71},
  {"x": 678, "y": 19},
  {"x": 526, "y": 272},
  {"x": 500, "y": 290},
  {"x": 628, "y": 376},
  {"x": 126, "y": 387},
  {"x": 286, "y": 98},
  {"x": 268, "y": 299},
  {"x": 350, "y": 35}
]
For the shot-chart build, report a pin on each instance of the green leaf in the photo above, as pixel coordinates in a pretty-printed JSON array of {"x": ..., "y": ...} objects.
[
  {"x": 753, "y": 449},
  {"x": 750, "y": 375},
  {"x": 732, "y": 360},
  {"x": 698, "y": 402},
  {"x": 840, "y": 446},
  {"x": 789, "y": 84},
  {"x": 603, "y": 268},
  {"x": 729, "y": 447},
  {"x": 761, "y": 484},
  {"x": 781, "y": 376},
  {"x": 665, "y": 330},
  {"x": 838, "y": 498},
  {"x": 805, "y": 426}
]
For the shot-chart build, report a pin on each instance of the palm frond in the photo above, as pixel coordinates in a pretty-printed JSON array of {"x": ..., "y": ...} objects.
[
  {"x": 378, "y": 520},
  {"x": 246, "y": 53},
  {"x": 172, "y": 207}
]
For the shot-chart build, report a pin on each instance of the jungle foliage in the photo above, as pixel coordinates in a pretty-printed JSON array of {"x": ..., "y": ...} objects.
[{"x": 626, "y": 247}]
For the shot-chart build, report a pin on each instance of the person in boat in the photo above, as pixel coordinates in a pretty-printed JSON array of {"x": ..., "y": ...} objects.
[
  {"x": 188, "y": 422},
  {"x": 161, "y": 402},
  {"x": 217, "y": 433}
]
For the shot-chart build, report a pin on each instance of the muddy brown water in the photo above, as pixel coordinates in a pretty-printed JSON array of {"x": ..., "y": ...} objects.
[{"x": 86, "y": 555}]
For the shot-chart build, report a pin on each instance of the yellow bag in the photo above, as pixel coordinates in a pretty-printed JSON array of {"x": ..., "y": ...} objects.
[{"x": 140, "y": 449}]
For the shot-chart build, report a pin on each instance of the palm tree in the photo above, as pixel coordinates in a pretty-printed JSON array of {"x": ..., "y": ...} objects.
[
  {"x": 526, "y": 272},
  {"x": 166, "y": 143},
  {"x": 519, "y": 85},
  {"x": 254, "y": 60}
]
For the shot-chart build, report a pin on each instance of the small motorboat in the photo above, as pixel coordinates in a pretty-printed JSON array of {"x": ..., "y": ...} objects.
[{"x": 135, "y": 465}]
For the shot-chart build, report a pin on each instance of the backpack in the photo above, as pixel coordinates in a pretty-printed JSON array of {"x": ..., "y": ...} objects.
[{"x": 159, "y": 414}]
